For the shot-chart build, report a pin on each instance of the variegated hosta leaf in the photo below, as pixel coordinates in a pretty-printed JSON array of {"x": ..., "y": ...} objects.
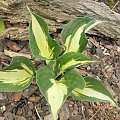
[
  {"x": 70, "y": 60},
  {"x": 93, "y": 92},
  {"x": 41, "y": 44},
  {"x": 17, "y": 76},
  {"x": 73, "y": 34},
  {"x": 2, "y": 26},
  {"x": 55, "y": 91}
]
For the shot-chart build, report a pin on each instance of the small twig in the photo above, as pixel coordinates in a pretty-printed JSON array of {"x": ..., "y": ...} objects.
[
  {"x": 37, "y": 113},
  {"x": 83, "y": 112},
  {"x": 115, "y": 5},
  {"x": 94, "y": 115}
]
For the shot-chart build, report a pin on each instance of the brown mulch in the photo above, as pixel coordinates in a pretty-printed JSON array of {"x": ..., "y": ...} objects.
[{"x": 31, "y": 105}]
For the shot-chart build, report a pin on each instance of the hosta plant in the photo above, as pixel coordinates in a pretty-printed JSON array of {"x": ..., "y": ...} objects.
[{"x": 57, "y": 78}]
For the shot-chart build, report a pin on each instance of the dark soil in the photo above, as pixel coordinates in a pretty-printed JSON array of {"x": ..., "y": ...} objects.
[{"x": 31, "y": 105}]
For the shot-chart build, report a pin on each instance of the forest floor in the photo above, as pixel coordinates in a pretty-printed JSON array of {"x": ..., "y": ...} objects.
[{"x": 31, "y": 105}]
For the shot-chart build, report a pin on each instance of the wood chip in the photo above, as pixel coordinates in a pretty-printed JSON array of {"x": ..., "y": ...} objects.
[
  {"x": 65, "y": 112},
  {"x": 34, "y": 99},
  {"x": 13, "y": 54},
  {"x": 48, "y": 117},
  {"x": 94, "y": 42},
  {"x": 75, "y": 117},
  {"x": 17, "y": 96},
  {"x": 20, "y": 118},
  {"x": 13, "y": 46}
]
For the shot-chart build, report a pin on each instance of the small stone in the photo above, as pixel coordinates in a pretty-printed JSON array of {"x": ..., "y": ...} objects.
[{"x": 3, "y": 108}]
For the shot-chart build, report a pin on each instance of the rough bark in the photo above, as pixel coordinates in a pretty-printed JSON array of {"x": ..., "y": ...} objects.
[{"x": 56, "y": 14}]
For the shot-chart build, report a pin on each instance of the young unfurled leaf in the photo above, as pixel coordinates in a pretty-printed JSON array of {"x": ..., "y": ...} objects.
[
  {"x": 41, "y": 44},
  {"x": 70, "y": 60},
  {"x": 2, "y": 26},
  {"x": 93, "y": 92},
  {"x": 17, "y": 76},
  {"x": 55, "y": 91},
  {"x": 73, "y": 34}
]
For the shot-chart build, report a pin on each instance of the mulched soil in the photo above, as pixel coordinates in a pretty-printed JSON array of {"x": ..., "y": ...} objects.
[{"x": 31, "y": 105}]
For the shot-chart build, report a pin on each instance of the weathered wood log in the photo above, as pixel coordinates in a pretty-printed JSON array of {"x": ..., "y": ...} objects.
[{"x": 56, "y": 14}]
